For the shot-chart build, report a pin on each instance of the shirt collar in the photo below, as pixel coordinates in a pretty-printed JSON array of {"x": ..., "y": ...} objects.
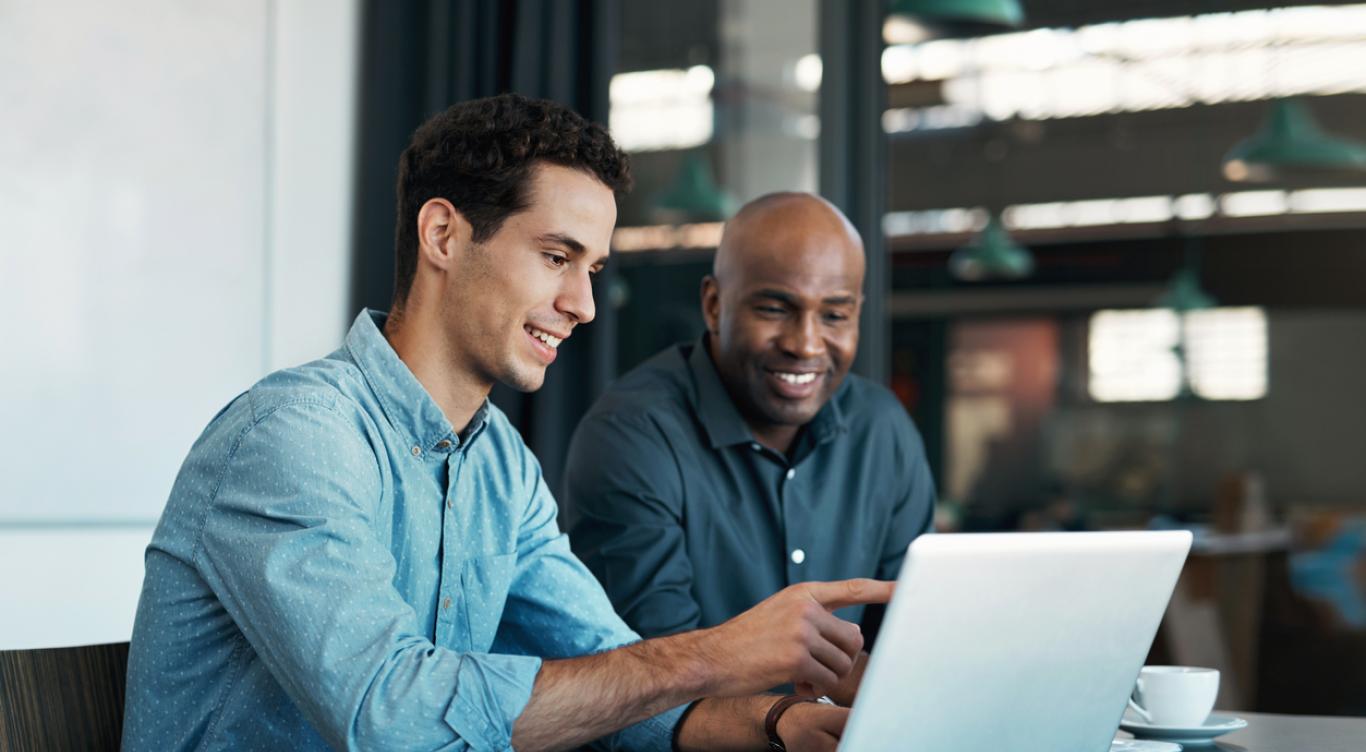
[
  {"x": 410, "y": 409},
  {"x": 722, "y": 420}
]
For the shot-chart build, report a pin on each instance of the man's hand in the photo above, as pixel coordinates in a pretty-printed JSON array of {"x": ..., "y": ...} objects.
[
  {"x": 812, "y": 727},
  {"x": 790, "y": 637},
  {"x": 847, "y": 690}
]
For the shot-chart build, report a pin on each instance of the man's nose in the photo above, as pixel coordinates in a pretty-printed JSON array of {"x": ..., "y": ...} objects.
[
  {"x": 802, "y": 337},
  {"x": 576, "y": 298}
]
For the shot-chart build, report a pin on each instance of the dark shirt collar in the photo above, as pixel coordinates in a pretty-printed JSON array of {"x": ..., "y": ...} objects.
[
  {"x": 410, "y": 409},
  {"x": 722, "y": 420}
]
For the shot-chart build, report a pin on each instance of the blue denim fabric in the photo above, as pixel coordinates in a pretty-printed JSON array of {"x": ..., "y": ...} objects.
[{"x": 337, "y": 567}]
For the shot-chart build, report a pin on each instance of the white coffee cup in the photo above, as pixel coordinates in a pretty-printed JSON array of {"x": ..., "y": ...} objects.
[{"x": 1175, "y": 695}]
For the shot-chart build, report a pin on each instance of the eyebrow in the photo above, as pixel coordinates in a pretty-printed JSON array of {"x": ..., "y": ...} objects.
[
  {"x": 564, "y": 240},
  {"x": 790, "y": 299},
  {"x": 573, "y": 245}
]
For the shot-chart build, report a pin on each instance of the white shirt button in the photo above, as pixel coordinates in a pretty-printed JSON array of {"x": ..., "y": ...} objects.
[
  {"x": 791, "y": 473},
  {"x": 755, "y": 446},
  {"x": 798, "y": 556},
  {"x": 417, "y": 451}
]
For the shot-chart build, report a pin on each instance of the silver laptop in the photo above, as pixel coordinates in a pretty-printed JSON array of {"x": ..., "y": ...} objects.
[{"x": 1014, "y": 642}]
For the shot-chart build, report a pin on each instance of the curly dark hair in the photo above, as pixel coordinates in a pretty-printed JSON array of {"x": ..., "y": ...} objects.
[{"x": 479, "y": 156}]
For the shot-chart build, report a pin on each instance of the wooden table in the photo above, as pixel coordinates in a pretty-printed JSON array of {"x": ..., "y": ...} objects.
[{"x": 1290, "y": 733}]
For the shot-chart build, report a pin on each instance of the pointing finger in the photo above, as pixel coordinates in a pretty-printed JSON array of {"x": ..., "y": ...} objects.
[{"x": 836, "y": 595}]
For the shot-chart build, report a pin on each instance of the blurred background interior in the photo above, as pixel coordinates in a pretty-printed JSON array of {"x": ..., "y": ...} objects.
[{"x": 1117, "y": 259}]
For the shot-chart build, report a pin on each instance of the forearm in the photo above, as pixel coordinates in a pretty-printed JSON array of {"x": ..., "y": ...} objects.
[
  {"x": 726, "y": 724},
  {"x": 577, "y": 700},
  {"x": 789, "y": 637}
]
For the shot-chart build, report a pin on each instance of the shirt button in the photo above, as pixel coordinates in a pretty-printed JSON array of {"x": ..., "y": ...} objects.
[
  {"x": 446, "y": 604},
  {"x": 798, "y": 556},
  {"x": 450, "y": 503},
  {"x": 791, "y": 473},
  {"x": 417, "y": 451},
  {"x": 443, "y": 444},
  {"x": 755, "y": 446}
]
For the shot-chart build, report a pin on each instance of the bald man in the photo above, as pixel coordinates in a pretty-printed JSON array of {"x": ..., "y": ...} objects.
[{"x": 723, "y": 470}]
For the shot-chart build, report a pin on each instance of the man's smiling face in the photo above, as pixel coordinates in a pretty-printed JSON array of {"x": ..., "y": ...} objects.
[
  {"x": 782, "y": 310},
  {"x": 524, "y": 290}
]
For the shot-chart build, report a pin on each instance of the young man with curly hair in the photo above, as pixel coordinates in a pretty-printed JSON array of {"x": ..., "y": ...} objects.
[{"x": 360, "y": 552}]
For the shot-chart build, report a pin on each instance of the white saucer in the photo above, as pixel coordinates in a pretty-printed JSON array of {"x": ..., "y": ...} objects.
[
  {"x": 1139, "y": 745},
  {"x": 1216, "y": 725}
]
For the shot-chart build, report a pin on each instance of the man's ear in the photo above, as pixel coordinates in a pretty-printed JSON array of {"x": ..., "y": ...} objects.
[
  {"x": 442, "y": 231},
  {"x": 711, "y": 304}
]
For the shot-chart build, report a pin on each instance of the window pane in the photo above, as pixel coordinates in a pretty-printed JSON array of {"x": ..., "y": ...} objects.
[
  {"x": 1133, "y": 356},
  {"x": 1226, "y": 353}
]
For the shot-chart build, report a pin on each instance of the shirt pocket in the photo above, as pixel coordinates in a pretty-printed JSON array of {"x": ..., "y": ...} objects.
[{"x": 486, "y": 581}]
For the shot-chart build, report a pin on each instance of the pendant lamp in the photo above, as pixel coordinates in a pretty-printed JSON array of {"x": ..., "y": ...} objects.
[
  {"x": 1184, "y": 293},
  {"x": 694, "y": 196},
  {"x": 991, "y": 255},
  {"x": 1290, "y": 142},
  {"x": 959, "y": 18}
]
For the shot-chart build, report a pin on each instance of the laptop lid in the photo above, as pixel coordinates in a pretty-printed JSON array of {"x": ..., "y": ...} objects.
[{"x": 1014, "y": 642}]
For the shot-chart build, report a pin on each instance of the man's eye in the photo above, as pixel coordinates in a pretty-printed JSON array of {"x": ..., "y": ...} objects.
[
  {"x": 556, "y": 260},
  {"x": 769, "y": 309},
  {"x": 836, "y": 317}
]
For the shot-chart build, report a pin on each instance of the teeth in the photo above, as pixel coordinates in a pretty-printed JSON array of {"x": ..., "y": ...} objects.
[
  {"x": 797, "y": 378},
  {"x": 549, "y": 339}
]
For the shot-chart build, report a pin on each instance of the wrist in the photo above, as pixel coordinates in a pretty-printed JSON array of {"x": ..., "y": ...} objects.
[
  {"x": 727, "y": 724},
  {"x": 760, "y": 705},
  {"x": 689, "y": 654},
  {"x": 773, "y": 720}
]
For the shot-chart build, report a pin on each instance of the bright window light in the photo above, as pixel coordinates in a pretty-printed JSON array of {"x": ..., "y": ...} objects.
[
  {"x": 934, "y": 221},
  {"x": 1139, "y": 65},
  {"x": 1143, "y": 209},
  {"x": 1133, "y": 356},
  {"x": 1136, "y": 356},
  {"x": 1317, "y": 200},
  {"x": 1194, "y": 206},
  {"x": 1226, "y": 353},
  {"x": 807, "y": 72},
  {"x": 662, "y": 109},
  {"x": 1253, "y": 203}
]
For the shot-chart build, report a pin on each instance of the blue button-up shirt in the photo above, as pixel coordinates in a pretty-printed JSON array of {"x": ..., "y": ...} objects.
[{"x": 336, "y": 566}]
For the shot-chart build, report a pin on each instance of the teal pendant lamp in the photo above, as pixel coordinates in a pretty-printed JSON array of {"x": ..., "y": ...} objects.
[
  {"x": 961, "y": 18},
  {"x": 991, "y": 255},
  {"x": 694, "y": 196},
  {"x": 1184, "y": 293},
  {"x": 1290, "y": 142}
]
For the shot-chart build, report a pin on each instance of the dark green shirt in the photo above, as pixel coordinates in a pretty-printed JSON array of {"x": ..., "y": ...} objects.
[{"x": 687, "y": 520}]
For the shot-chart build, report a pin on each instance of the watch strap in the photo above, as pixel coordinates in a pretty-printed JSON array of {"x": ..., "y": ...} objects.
[{"x": 775, "y": 743}]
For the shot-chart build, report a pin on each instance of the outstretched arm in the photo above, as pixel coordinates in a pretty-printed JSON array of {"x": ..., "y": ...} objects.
[{"x": 789, "y": 637}]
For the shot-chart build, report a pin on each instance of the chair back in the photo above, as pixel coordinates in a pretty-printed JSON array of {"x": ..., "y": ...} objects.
[{"x": 62, "y": 698}]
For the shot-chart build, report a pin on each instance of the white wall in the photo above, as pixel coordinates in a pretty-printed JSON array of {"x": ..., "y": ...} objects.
[{"x": 175, "y": 182}]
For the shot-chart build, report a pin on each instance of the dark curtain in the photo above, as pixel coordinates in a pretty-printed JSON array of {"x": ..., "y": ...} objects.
[
  {"x": 853, "y": 157},
  {"x": 417, "y": 58}
]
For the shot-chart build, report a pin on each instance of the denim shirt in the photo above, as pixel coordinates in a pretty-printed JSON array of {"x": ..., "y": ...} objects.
[{"x": 337, "y": 567}]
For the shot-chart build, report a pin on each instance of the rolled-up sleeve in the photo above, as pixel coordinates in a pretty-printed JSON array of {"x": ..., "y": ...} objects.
[
  {"x": 625, "y": 495},
  {"x": 288, "y": 545}
]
